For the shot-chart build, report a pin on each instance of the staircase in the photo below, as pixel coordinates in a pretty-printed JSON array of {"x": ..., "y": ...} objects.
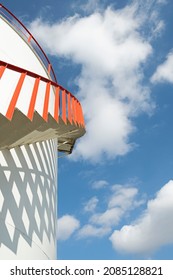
[{"x": 24, "y": 121}]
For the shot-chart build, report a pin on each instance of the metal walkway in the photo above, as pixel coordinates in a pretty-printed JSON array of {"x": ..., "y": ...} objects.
[{"x": 64, "y": 122}]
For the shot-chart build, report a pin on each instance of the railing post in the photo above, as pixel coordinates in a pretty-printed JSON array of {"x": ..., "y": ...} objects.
[
  {"x": 33, "y": 99},
  {"x": 29, "y": 38},
  {"x": 49, "y": 68},
  {"x": 64, "y": 106},
  {"x": 69, "y": 108},
  {"x": 74, "y": 109},
  {"x": 14, "y": 99},
  {"x": 57, "y": 102},
  {"x": 46, "y": 102},
  {"x": 2, "y": 69}
]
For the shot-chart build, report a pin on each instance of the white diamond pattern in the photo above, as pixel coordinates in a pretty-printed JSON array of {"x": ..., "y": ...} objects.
[
  {"x": 16, "y": 194},
  {"x": 29, "y": 193},
  {"x": 25, "y": 220},
  {"x": 1, "y": 200}
]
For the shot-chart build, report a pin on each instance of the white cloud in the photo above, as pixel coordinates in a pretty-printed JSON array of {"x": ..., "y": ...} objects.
[
  {"x": 110, "y": 217},
  {"x": 152, "y": 230},
  {"x": 91, "y": 205},
  {"x": 67, "y": 225},
  {"x": 90, "y": 6},
  {"x": 93, "y": 231},
  {"x": 122, "y": 197},
  {"x": 119, "y": 203},
  {"x": 100, "y": 184},
  {"x": 164, "y": 72},
  {"x": 111, "y": 50}
]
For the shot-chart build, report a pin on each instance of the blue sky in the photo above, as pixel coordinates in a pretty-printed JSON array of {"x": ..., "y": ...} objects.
[{"x": 115, "y": 193}]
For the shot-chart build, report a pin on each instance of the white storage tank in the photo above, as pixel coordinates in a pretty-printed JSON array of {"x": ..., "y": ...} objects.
[{"x": 37, "y": 117}]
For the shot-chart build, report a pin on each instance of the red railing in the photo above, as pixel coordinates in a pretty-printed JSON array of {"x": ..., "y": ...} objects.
[
  {"x": 66, "y": 105},
  {"x": 24, "y": 32}
]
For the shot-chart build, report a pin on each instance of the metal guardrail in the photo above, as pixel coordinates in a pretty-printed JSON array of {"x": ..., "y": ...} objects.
[{"x": 66, "y": 105}]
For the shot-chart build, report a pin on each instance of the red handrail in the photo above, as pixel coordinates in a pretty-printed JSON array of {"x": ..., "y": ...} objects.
[
  {"x": 69, "y": 107},
  {"x": 25, "y": 32},
  {"x": 32, "y": 74}
]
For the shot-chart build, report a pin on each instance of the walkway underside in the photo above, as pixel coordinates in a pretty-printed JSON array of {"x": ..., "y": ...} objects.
[{"x": 22, "y": 131}]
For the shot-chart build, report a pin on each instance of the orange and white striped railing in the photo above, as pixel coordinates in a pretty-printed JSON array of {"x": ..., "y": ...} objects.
[{"x": 66, "y": 106}]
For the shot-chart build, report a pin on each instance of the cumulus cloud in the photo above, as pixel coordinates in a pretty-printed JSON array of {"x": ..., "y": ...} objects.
[
  {"x": 111, "y": 50},
  {"x": 93, "y": 231},
  {"x": 122, "y": 197},
  {"x": 152, "y": 230},
  {"x": 99, "y": 184},
  {"x": 67, "y": 225},
  {"x": 110, "y": 217},
  {"x": 120, "y": 202},
  {"x": 91, "y": 205},
  {"x": 164, "y": 72}
]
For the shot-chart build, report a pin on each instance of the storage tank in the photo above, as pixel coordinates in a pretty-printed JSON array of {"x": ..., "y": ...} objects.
[{"x": 37, "y": 117}]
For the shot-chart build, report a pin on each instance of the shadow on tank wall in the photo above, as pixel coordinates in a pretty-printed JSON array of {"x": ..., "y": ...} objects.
[{"x": 27, "y": 196}]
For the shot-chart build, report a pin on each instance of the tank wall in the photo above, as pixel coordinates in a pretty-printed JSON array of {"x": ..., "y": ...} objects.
[
  {"x": 14, "y": 50},
  {"x": 28, "y": 207}
]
